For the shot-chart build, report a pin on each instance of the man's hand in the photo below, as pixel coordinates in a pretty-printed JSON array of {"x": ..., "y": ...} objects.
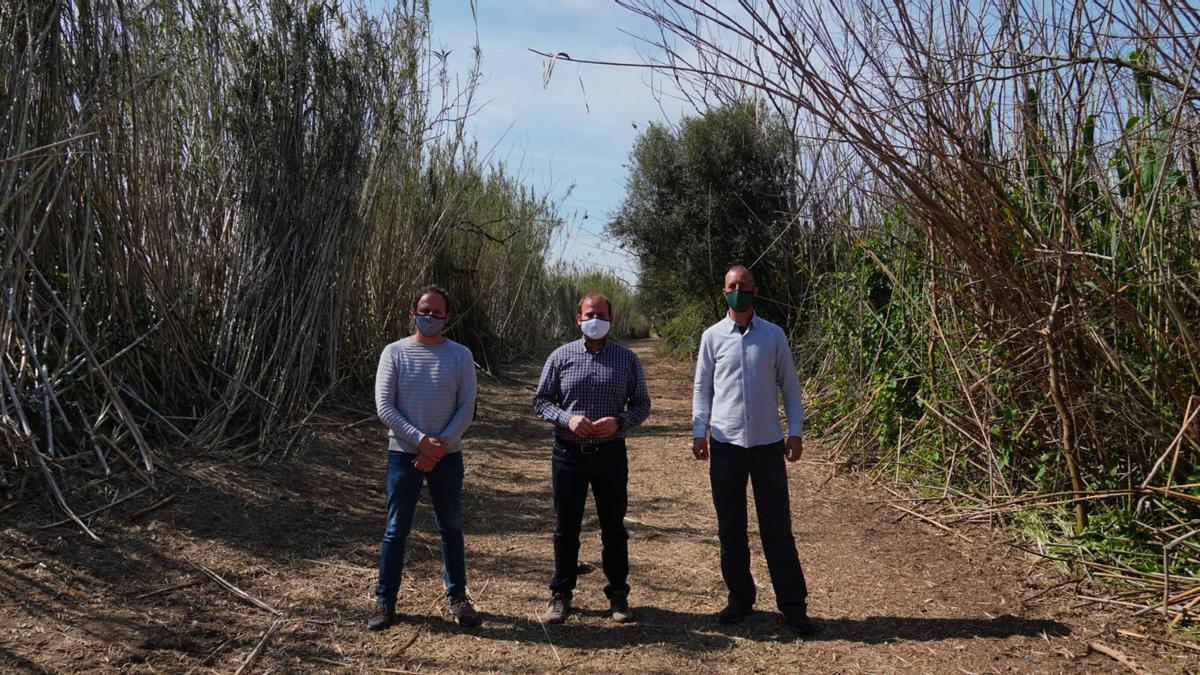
[
  {"x": 700, "y": 448},
  {"x": 605, "y": 427},
  {"x": 430, "y": 451},
  {"x": 423, "y": 463},
  {"x": 432, "y": 446},
  {"x": 581, "y": 426},
  {"x": 795, "y": 448}
]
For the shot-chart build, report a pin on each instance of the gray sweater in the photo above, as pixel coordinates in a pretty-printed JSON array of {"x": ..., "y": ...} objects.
[{"x": 425, "y": 390}]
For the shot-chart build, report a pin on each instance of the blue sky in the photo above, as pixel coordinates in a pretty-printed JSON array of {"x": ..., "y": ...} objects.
[{"x": 577, "y": 130}]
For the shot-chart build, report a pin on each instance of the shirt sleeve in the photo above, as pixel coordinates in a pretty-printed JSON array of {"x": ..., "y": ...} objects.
[
  {"x": 548, "y": 395},
  {"x": 385, "y": 397},
  {"x": 638, "y": 400},
  {"x": 464, "y": 409},
  {"x": 789, "y": 383},
  {"x": 702, "y": 388}
]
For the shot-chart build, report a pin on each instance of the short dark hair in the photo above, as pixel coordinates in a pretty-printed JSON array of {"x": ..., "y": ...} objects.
[
  {"x": 426, "y": 290},
  {"x": 594, "y": 296}
]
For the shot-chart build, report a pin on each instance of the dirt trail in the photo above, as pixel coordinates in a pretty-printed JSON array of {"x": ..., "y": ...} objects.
[{"x": 302, "y": 536}]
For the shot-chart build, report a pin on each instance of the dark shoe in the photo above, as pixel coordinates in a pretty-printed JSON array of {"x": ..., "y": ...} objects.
[
  {"x": 559, "y": 607},
  {"x": 734, "y": 614},
  {"x": 464, "y": 613},
  {"x": 800, "y": 624},
  {"x": 618, "y": 605},
  {"x": 382, "y": 617}
]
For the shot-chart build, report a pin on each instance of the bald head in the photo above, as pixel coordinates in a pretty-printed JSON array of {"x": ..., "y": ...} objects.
[{"x": 739, "y": 277}]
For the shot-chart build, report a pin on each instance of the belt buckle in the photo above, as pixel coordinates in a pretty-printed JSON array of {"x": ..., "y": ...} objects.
[{"x": 584, "y": 449}]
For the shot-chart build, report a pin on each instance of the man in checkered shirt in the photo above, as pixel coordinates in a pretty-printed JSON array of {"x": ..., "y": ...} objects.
[{"x": 594, "y": 391}]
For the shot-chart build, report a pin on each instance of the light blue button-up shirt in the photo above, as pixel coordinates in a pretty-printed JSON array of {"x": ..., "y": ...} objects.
[{"x": 738, "y": 377}]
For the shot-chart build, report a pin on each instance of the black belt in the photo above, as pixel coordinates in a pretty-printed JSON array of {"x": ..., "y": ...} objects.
[{"x": 590, "y": 448}]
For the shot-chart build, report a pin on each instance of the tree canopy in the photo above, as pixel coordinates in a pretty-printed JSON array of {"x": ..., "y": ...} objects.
[{"x": 714, "y": 192}]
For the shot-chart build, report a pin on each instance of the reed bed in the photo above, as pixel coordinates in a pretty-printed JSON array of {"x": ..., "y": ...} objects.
[
  {"x": 212, "y": 216},
  {"x": 1005, "y": 242}
]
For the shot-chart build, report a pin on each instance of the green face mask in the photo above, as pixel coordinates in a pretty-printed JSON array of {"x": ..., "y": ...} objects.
[{"x": 740, "y": 301}]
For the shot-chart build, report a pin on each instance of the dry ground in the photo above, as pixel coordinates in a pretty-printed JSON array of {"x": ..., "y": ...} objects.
[{"x": 302, "y": 536}]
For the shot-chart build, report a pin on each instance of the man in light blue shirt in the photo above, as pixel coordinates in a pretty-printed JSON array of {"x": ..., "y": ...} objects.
[{"x": 744, "y": 361}]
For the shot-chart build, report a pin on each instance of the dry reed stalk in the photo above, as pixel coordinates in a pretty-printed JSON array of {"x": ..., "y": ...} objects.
[
  {"x": 238, "y": 592},
  {"x": 93, "y": 512},
  {"x": 931, "y": 521},
  {"x": 153, "y": 507},
  {"x": 1116, "y": 656},
  {"x": 1173, "y": 643},
  {"x": 258, "y": 648},
  {"x": 550, "y": 642},
  {"x": 167, "y": 589}
]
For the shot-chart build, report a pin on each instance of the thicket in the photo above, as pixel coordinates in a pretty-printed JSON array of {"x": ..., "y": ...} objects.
[
  {"x": 1004, "y": 240},
  {"x": 715, "y": 191},
  {"x": 212, "y": 214}
]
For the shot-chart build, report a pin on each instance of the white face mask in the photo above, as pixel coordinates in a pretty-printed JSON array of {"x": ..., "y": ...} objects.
[{"x": 595, "y": 329}]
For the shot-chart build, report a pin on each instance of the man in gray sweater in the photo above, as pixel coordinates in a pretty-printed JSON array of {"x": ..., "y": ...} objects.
[{"x": 425, "y": 394}]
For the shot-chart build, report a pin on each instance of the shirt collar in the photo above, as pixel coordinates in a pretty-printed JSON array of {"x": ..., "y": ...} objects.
[
  {"x": 733, "y": 327},
  {"x": 603, "y": 346}
]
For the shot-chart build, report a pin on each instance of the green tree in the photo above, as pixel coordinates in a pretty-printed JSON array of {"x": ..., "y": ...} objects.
[{"x": 717, "y": 191}]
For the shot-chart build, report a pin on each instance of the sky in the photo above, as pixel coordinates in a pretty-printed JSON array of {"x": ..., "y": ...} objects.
[{"x": 578, "y": 128}]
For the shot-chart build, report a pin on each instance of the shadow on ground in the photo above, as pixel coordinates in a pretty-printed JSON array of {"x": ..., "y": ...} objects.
[
  {"x": 700, "y": 632},
  {"x": 879, "y": 629}
]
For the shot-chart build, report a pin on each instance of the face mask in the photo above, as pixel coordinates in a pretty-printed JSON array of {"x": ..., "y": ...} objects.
[
  {"x": 740, "y": 301},
  {"x": 595, "y": 328},
  {"x": 429, "y": 326}
]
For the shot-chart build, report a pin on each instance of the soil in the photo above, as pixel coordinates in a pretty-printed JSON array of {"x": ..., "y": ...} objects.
[{"x": 301, "y": 533}]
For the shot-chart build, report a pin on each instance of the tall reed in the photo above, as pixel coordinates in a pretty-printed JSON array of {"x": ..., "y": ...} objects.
[
  {"x": 1006, "y": 234},
  {"x": 213, "y": 214}
]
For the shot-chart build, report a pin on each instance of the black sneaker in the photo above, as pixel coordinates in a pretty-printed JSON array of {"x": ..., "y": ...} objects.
[
  {"x": 558, "y": 608},
  {"x": 734, "y": 614},
  {"x": 382, "y": 616},
  {"x": 618, "y": 606},
  {"x": 464, "y": 613},
  {"x": 800, "y": 624}
]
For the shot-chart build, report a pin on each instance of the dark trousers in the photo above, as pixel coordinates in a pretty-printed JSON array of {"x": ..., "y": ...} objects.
[
  {"x": 403, "y": 488},
  {"x": 607, "y": 472},
  {"x": 729, "y": 467}
]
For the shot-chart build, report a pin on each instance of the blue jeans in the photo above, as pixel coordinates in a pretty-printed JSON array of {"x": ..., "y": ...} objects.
[
  {"x": 607, "y": 472},
  {"x": 403, "y": 488}
]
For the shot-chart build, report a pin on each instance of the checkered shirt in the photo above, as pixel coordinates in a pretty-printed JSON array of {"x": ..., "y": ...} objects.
[{"x": 609, "y": 383}]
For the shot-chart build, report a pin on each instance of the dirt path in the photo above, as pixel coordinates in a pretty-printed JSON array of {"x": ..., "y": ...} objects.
[{"x": 302, "y": 536}]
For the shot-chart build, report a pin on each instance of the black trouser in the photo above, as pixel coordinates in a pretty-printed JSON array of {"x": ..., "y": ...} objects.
[
  {"x": 606, "y": 469},
  {"x": 729, "y": 467}
]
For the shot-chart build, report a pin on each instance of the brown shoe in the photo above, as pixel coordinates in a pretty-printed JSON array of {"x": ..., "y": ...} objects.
[
  {"x": 382, "y": 616},
  {"x": 618, "y": 605},
  {"x": 558, "y": 608},
  {"x": 464, "y": 613}
]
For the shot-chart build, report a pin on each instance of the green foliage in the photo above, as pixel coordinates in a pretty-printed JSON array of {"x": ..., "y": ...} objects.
[
  {"x": 1006, "y": 269},
  {"x": 567, "y": 286},
  {"x": 716, "y": 192},
  {"x": 680, "y": 333},
  {"x": 936, "y": 392}
]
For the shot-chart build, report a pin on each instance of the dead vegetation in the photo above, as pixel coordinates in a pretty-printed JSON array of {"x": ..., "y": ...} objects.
[{"x": 270, "y": 568}]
